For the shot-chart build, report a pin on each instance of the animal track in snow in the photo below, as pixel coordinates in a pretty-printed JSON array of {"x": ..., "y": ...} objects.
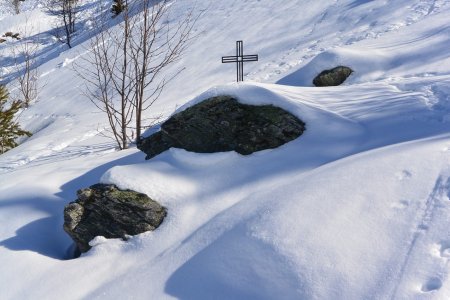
[
  {"x": 444, "y": 249},
  {"x": 427, "y": 217},
  {"x": 401, "y": 204},
  {"x": 432, "y": 284},
  {"x": 310, "y": 46},
  {"x": 405, "y": 174},
  {"x": 441, "y": 250}
]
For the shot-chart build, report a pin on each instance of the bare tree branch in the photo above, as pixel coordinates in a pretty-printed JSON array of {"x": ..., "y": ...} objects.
[
  {"x": 124, "y": 66},
  {"x": 66, "y": 11},
  {"x": 25, "y": 64}
]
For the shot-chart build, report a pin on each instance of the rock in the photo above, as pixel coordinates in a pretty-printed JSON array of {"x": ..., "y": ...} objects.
[
  {"x": 333, "y": 77},
  {"x": 223, "y": 124},
  {"x": 104, "y": 210}
]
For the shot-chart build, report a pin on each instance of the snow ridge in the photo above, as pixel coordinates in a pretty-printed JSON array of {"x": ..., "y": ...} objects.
[{"x": 357, "y": 208}]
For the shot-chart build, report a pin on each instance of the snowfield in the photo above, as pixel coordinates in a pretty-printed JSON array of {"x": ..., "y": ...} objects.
[{"x": 358, "y": 207}]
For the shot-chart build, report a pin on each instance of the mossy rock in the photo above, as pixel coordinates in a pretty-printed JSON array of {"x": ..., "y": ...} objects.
[
  {"x": 332, "y": 77},
  {"x": 223, "y": 124},
  {"x": 105, "y": 210}
]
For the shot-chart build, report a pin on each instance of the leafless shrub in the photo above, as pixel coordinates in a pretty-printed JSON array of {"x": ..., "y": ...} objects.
[
  {"x": 66, "y": 11},
  {"x": 123, "y": 68}
]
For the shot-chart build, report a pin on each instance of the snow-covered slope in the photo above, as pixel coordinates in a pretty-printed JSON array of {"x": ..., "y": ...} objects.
[{"x": 356, "y": 208}]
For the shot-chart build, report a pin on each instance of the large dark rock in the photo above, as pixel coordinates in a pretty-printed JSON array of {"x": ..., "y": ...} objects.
[
  {"x": 104, "y": 210},
  {"x": 333, "y": 77},
  {"x": 223, "y": 124}
]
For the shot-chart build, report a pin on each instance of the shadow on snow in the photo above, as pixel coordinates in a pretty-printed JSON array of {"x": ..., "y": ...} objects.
[{"x": 46, "y": 235}]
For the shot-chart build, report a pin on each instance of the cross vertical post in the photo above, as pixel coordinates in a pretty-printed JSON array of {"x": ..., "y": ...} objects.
[
  {"x": 239, "y": 59},
  {"x": 240, "y": 63}
]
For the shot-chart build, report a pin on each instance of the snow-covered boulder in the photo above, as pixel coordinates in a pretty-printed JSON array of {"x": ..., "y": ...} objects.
[
  {"x": 332, "y": 77},
  {"x": 105, "y": 210},
  {"x": 223, "y": 124}
]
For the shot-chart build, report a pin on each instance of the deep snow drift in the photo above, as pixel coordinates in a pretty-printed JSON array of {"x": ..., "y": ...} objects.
[{"x": 356, "y": 208}]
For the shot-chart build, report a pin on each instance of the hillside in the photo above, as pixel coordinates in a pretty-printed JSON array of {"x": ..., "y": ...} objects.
[{"x": 356, "y": 208}]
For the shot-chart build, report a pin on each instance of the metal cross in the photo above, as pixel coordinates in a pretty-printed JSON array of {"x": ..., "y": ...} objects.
[{"x": 239, "y": 59}]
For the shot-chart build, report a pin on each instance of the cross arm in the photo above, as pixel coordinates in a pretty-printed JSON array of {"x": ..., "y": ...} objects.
[
  {"x": 229, "y": 59},
  {"x": 250, "y": 58}
]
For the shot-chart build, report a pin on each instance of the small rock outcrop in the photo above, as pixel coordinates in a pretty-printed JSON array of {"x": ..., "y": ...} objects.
[
  {"x": 223, "y": 124},
  {"x": 11, "y": 35},
  {"x": 104, "y": 210},
  {"x": 333, "y": 77}
]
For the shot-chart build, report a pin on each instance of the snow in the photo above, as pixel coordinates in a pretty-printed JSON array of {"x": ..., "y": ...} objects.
[{"x": 356, "y": 208}]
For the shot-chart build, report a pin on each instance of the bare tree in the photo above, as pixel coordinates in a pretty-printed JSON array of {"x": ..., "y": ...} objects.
[
  {"x": 27, "y": 72},
  {"x": 123, "y": 68},
  {"x": 25, "y": 63},
  {"x": 16, "y": 5},
  {"x": 66, "y": 11},
  {"x": 108, "y": 77},
  {"x": 157, "y": 43}
]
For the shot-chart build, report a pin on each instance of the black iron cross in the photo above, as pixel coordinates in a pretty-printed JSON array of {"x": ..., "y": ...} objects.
[{"x": 239, "y": 59}]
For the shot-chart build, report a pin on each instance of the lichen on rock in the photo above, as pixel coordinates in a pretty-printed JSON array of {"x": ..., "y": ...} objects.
[
  {"x": 105, "y": 210},
  {"x": 223, "y": 124}
]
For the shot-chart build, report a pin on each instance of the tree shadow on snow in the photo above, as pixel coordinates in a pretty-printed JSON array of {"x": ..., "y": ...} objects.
[
  {"x": 357, "y": 3},
  {"x": 54, "y": 48}
]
